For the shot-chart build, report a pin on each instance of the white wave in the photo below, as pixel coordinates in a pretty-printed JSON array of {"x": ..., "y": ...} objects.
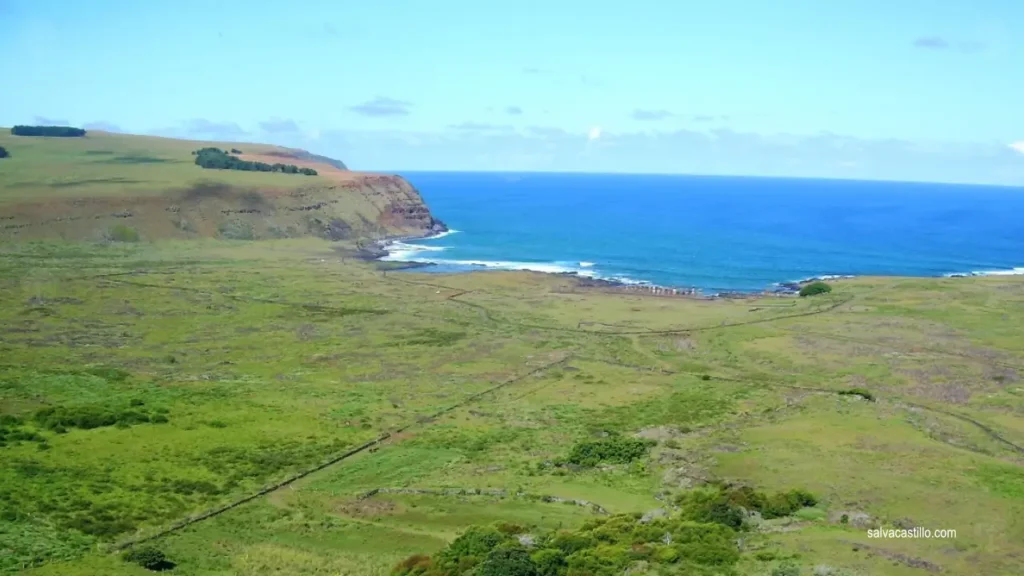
[
  {"x": 629, "y": 281},
  {"x": 823, "y": 278},
  {"x": 449, "y": 232},
  {"x": 586, "y": 264},
  {"x": 546, "y": 267},
  {"x": 1019, "y": 271},
  {"x": 403, "y": 247}
]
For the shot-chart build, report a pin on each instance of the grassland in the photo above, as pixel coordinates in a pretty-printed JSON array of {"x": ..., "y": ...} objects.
[
  {"x": 115, "y": 165},
  {"x": 115, "y": 187},
  {"x": 266, "y": 359}
]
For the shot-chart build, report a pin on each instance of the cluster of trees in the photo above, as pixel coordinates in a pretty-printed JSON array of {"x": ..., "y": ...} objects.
[
  {"x": 4, "y": 153},
  {"x": 215, "y": 158},
  {"x": 601, "y": 547},
  {"x": 612, "y": 450},
  {"x": 815, "y": 288},
  {"x": 699, "y": 539},
  {"x": 61, "y": 418},
  {"x": 731, "y": 506},
  {"x": 51, "y": 131}
]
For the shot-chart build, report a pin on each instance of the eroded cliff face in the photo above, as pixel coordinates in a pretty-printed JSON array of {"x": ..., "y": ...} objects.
[{"x": 350, "y": 206}]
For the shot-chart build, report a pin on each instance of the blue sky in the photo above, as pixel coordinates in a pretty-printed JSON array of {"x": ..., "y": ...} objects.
[{"x": 893, "y": 89}]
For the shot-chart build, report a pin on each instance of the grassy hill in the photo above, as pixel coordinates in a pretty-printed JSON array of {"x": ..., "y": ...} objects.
[{"x": 80, "y": 188}]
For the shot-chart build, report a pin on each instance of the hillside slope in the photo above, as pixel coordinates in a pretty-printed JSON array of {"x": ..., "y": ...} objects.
[{"x": 83, "y": 188}]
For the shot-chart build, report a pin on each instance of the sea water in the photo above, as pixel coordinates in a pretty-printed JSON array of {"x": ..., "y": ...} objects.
[{"x": 716, "y": 233}]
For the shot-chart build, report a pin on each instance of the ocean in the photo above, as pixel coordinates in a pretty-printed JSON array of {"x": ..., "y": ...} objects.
[{"x": 715, "y": 233}]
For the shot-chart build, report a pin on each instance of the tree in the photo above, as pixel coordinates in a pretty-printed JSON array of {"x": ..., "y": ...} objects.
[{"x": 815, "y": 288}]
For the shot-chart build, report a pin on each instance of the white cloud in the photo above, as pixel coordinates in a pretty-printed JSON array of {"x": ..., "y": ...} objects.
[
  {"x": 594, "y": 133},
  {"x": 1018, "y": 146}
]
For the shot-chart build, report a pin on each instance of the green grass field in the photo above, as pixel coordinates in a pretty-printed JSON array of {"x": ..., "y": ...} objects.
[
  {"x": 109, "y": 165},
  {"x": 193, "y": 374}
]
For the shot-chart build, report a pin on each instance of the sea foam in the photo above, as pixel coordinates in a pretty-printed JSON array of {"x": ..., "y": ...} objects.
[{"x": 1010, "y": 272}]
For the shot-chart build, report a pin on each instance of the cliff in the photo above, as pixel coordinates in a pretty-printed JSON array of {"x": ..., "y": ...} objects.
[{"x": 98, "y": 186}]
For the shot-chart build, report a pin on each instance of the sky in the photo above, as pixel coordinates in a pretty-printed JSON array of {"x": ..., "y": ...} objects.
[{"x": 926, "y": 90}]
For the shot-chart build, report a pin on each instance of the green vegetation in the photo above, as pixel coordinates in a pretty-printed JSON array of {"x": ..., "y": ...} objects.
[
  {"x": 61, "y": 418},
  {"x": 614, "y": 450},
  {"x": 48, "y": 131},
  {"x": 600, "y": 547},
  {"x": 865, "y": 394},
  {"x": 149, "y": 558},
  {"x": 215, "y": 158},
  {"x": 128, "y": 167},
  {"x": 815, "y": 288},
  {"x": 524, "y": 428},
  {"x": 4, "y": 153}
]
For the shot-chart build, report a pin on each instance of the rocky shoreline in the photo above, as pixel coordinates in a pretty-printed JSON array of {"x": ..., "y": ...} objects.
[{"x": 375, "y": 251}]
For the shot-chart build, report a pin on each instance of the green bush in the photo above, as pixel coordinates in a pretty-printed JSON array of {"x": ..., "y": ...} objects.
[
  {"x": 511, "y": 561},
  {"x": 415, "y": 565},
  {"x": 614, "y": 450},
  {"x": 726, "y": 506},
  {"x": 148, "y": 557},
  {"x": 470, "y": 548},
  {"x": 549, "y": 562},
  {"x": 815, "y": 288},
  {"x": 122, "y": 233},
  {"x": 62, "y": 418},
  {"x": 863, "y": 393},
  {"x": 600, "y": 547},
  {"x": 4, "y": 153}
]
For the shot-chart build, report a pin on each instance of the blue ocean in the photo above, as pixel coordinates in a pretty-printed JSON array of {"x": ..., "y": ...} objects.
[{"x": 716, "y": 233}]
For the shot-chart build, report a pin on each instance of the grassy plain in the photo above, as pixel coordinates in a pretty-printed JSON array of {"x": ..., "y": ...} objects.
[
  {"x": 104, "y": 165},
  {"x": 268, "y": 358}
]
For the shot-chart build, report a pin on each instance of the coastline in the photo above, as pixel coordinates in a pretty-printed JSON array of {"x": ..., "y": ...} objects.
[{"x": 395, "y": 254}]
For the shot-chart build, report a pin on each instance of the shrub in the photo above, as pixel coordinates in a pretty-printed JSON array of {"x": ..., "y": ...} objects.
[
  {"x": 863, "y": 393},
  {"x": 602, "y": 546},
  {"x": 549, "y": 562},
  {"x": 614, "y": 450},
  {"x": 60, "y": 418},
  {"x": 726, "y": 505},
  {"x": 415, "y": 565},
  {"x": 4, "y": 153},
  {"x": 122, "y": 233},
  {"x": 507, "y": 562},
  {"x": 815, "y": 288},
  {"x": 51, "y": 131},
  {"x": 470, "y": 548},
  {"x": 148, "y": 557},
  {"x": 786, "y": 503}
]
